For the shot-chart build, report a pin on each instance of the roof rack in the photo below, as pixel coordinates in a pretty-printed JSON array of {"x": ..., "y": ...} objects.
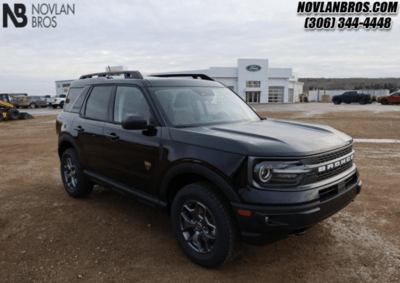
[
  {"x": 127, "y": 75},
  {"x": 194, "y": 76}
]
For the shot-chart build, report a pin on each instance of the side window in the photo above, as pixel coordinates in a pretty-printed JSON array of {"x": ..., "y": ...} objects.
[
  {"x": 129, "y": 100},
  {"x": 97, "y": 104},
  {"x": 71, "y": 98}
]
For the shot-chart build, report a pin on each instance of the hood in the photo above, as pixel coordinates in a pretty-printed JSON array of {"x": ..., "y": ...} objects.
[{"x": 268, "y": 138}]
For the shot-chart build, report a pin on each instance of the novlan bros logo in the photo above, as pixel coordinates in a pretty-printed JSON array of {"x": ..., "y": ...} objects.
[
  {"x": 19, "y": 12},
  {"x": 43, "y": 15}
]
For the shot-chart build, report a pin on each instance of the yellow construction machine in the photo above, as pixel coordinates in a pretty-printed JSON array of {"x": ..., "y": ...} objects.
[{"x": 8, "y": 111}]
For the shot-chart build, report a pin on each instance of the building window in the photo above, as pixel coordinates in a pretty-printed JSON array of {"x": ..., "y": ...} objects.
[
  {"x": 66, "y": 85},
  {"x": 253, "y": 96},
  {"x": 275, "y": 94},
  {"x": 253, "y": 84}
]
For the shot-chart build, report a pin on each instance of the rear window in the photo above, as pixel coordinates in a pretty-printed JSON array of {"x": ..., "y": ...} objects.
[
  {"x": 97, "y": 103},
  {"x": 71, "y": 98}
]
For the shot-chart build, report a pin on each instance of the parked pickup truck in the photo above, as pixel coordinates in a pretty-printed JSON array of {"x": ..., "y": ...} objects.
[
  {"x": 352, "y": 96},
  {"x": 59, "y": 100}
]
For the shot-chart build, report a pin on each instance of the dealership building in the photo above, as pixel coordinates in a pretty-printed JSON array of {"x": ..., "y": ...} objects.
[
  {"x": 252, "y": 79},
  {"x": 62, "y": 86},
  {"x": 255, "y": 81}
]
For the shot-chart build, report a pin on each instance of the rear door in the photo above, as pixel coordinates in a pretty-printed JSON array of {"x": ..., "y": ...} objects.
[
  {"x": 131, "y": 156},
  {"x": 346, "y": 97},
  {"x": 88, "y": 127}
]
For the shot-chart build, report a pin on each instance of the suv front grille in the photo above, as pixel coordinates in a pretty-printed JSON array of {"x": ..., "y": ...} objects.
[
  {"x": 316, "y": 177},
  {"x": 330, "y": 156},
  {"x": 333, "y": 172}
]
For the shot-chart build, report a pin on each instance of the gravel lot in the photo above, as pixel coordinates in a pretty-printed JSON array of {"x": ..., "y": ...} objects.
[
  {"x": 46, "y": 236},
  {"x": 41, "y": 111}
]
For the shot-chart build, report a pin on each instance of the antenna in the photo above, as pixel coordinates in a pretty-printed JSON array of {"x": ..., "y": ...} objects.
[{"x": 109, "y": 69}]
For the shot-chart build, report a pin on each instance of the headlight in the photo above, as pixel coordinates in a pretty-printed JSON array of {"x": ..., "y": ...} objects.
[
  {"x": 265, "y": 173},
  {"x": 279, "y": 174}
]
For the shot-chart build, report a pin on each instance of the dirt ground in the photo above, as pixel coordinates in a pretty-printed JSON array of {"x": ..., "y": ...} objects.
[{"x": 46, "y": 236}]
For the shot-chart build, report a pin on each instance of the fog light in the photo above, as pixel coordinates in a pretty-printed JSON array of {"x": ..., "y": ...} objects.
[{"x": 266, "y": 219}]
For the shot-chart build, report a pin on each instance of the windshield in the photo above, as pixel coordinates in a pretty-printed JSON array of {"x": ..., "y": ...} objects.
[{"x": 195, "y": 106}]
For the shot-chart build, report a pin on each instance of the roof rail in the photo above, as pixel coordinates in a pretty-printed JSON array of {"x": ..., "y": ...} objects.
[
  {"x": 127, "y": 75},
  {"x": 194, "y": 76}
]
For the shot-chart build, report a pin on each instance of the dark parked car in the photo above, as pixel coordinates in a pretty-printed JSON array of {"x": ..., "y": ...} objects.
[
  {"x": 196, "y": 150},
  {"x": 352, "y": 96},
  {"x": 33, "y": 102}
]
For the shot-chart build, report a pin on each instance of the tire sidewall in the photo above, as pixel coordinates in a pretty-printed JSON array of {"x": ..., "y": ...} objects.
[
  {"x": 82, "y": 188},
  {"x": 224, "y": 241}
]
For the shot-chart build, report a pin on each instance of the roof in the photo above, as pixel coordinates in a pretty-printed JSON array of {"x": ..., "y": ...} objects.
[{"x": 147, "y": 81}]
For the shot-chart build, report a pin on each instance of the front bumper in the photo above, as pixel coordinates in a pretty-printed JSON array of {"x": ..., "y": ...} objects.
[{"x": 285, "y": 219}]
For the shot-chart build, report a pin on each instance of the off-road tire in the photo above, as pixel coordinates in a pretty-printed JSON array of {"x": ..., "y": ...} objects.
[
  {"x": 226, "y": 231},
  {"x": 62, "y": 105},
  {"x": 83, "y": 187},
  {"x": 362, "y": 101},
  {"x": 337, "y": 101},
  {"x": 13, "y": 114},
  {"x": 54, "y": 106},
  {"x": 32, "y": 105},
  {"x": 384, "y": 102}
]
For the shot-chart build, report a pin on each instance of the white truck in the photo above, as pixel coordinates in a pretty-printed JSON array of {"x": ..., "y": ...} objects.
[{"x": 59, "y": 100}]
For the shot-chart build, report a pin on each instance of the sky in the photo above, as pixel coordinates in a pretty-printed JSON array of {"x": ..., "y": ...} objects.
[{"x": 159, "y": 36}]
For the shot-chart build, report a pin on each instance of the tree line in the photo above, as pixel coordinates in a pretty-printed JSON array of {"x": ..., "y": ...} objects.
[{"x": 392, "y": 84}]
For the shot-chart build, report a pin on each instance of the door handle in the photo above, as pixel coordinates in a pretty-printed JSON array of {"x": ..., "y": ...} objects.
[
  {"x": 79, "y": 129},
  {"x": 112, "y": 136}
]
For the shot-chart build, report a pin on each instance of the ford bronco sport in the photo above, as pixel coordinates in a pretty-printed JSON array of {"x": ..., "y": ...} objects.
[{"x": 195, "y": 149}]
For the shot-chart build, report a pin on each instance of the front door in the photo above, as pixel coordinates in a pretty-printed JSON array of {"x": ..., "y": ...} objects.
[
  {"x": 131, "y": 156},
  {"x": 355, "y": 97}
]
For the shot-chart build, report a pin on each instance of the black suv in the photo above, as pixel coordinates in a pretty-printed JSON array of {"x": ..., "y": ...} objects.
[
  {"x": 195, "y": 149},
  {"x": 352, "y": 96}
]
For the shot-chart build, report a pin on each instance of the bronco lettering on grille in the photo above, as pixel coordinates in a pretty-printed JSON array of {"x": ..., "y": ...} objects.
[{"x": 336, "y": 164}]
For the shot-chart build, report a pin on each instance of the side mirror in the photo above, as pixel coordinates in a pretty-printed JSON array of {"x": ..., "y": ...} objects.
[{"x": 135, "y": 122}]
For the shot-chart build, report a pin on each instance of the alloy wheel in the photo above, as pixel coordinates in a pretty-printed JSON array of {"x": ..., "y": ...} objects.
[
  {"x": 198, "y": 226},
  {"x": 70, "y": 174}
]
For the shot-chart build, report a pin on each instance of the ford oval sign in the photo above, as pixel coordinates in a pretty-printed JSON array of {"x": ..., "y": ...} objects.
[{"x": 253, "y": 68}]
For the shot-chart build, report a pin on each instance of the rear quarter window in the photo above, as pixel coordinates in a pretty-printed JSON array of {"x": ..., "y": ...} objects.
[{"x": 73, "y": 94}]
